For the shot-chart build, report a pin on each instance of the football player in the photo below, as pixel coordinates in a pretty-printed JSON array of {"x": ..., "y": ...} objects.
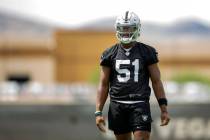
[{"x": 126, "y": 68}]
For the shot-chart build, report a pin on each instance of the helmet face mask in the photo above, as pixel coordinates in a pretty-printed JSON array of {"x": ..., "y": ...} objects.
[{"x": 127, "y": 28}]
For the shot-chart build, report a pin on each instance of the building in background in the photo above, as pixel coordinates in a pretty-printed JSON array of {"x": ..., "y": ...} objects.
[
  {"x": 78, "y": 54},
  {"x": 26, "y": 50},
  {"x": 27, "y": 62}
]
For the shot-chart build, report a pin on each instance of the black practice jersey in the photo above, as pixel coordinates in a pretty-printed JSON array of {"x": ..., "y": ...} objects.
[{"x": 129, "y": 78}]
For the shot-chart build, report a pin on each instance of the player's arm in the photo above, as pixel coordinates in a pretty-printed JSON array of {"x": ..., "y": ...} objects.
[
  {"x": 159, "y": 92},
  {"x": 102, "y": 95},
  {"x": 103, "y": 88}
]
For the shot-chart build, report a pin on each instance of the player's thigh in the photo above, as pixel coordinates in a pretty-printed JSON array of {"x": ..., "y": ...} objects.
[
  {"x": 126, "y": 136},
  {"x": 141, "y": 135},
  {"x": 118, "y": 119},
  {"x": 140, "y": 117}
]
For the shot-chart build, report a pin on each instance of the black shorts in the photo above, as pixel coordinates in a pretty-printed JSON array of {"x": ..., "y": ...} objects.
[{"x": 124, "y": 118}]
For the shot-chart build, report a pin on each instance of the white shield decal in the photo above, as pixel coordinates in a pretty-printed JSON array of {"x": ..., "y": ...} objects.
[{"x": 144, "y": 117}]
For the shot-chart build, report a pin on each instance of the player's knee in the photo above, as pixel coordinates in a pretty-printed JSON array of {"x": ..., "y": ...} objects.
[
  {"x": 124, "y": 136},
  {"x": 142, "y": 138},
  {"x": 139, "y": 135}
]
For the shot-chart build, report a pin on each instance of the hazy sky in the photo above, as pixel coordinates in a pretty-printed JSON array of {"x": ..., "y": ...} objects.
[{"x": 76, "y": 12}]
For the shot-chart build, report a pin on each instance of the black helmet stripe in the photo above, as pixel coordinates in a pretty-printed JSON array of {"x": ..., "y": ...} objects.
[{"x": 126, "y": 15}]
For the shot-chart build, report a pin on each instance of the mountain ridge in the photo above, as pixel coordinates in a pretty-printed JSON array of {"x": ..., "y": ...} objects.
[
  {"x": 187, "y": 27},
  {"x": 20, "y": 26}
]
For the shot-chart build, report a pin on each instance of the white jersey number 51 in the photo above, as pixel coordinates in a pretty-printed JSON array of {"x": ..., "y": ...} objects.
[{"x": 127, "y": 72}]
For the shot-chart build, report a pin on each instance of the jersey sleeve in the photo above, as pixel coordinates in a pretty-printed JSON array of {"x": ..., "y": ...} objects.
[
  {"x": 152, "y": 56},
  {"x": 105, "y": 59}
]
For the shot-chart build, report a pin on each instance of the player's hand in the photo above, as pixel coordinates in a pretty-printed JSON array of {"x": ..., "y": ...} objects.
[
  {"x": 164, "y": 118},
  {"x": 100, "y": 122}
]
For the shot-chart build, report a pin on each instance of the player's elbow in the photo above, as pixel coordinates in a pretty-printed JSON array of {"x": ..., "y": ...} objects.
[
  {"x": 103, "y": 85},
  {"x": 156, "y": 81}
]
